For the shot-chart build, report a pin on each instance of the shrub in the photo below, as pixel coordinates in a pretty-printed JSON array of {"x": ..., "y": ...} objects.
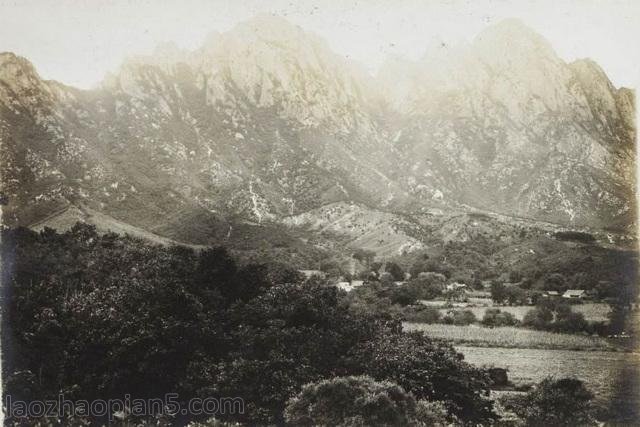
[
  {"x": 569, "y": 321},
  {"x": 494, "y": 317},
  {"x": 498, "y": 292},
  {"x": 395, "y": 270},
  {"x": 538, "y": 318},
  {"x": 557, "y": 317},
  {"x": 427, "y": 285},
  {"x": 499, "y": 376},
  {"x": 428, "y": 369},
  {"x": 434, "y": 414},
  {"x": 351, "y": 401},
  {"x": 564, "y": 402},
  {"x": 459, "y": 317},
  {"x": 422, "y": 314}
]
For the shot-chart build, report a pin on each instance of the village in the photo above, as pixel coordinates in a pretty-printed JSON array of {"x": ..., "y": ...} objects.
[{"x": 456, "y": 292}]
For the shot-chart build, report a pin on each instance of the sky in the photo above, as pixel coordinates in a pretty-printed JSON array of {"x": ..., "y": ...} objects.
[{"x": 78, "y": 42}]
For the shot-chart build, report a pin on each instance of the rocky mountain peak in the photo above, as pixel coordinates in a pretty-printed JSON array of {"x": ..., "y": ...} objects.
[
  {"x": 17, "y": 73},
  {"x": 511, "y": 36},
  {"x": 266, "y": 121}
]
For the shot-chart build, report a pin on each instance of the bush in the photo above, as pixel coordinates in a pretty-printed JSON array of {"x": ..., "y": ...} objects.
[
  {"x": 403, "y": 295},
  {"x": 395, "y": 270},
  {"x": 427, "y": 285},
  {"x": 459, "y": 317},
  {"x": 429, "y": 370},
  {"x": 493, "y": 317},
  {"x": 564, "y": 402},
  {"x": 569, "y": 321},
  {"x": 351, "y": 401},
  {"x": 556, "y": 317},
  {"x": 499, "y": 377},
  {"x": 538, "y": 318},
  {"x": 422, "y": 314},
  {"x": 434, "y": 414},
  {"x": 498, "y": 292}
]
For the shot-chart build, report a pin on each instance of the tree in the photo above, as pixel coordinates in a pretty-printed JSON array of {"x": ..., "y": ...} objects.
[
  {"x": 515, "y": 295},
  {"x": 403, "y": 295},
  {"x": 422, "y": 314},
  {"x": 425, "y": 265},
  {"x": 555, "y": 282},
  {"x": 569, "y": 321},
  {"x": 563, "y": 402},
  {"x": 498, "y": 292},
  {"x": 431, "y": 371},
  {"x": 351, "y": 401},
  {"x": 395, "y": 270},
  {"x": 515, "y": 276},
  {"x": 493, "y": 317},
  {"x": 386, "y": 279},
  {"x": 617, "y": 318},
  {"x": 434, "y": 414},
  {"x": 460, "y": 317},
  {"x": 555, "y": 316},
  {"x": 332, "y": 268},
  {"x": 538, "y": 318},
  {"x": 364, "y": 256},
  {"x": 427, "y": 285}
]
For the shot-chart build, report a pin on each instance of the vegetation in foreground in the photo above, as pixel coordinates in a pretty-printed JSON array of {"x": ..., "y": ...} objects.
[
  {"x": 562, "y": 402},
  {"x": 102, "y": 316}
]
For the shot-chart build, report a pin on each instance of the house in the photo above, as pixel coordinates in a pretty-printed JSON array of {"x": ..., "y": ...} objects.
[
  {"x": 398, "y": 283},
  {"x": 345, "y": 286},
  {"x": 575, "y": 294},
  {"x": 455, "y": 286},
  {"x": 349, "y": 286},
  {"x": 551, "y": 294},
  {"x": 311, "y": 273}
]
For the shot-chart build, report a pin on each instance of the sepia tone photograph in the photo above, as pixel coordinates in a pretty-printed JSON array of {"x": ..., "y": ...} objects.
[{"x": 221, "y": 213}]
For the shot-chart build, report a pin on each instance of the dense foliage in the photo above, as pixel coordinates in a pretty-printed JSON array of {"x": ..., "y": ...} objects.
[
  {"x": 563, "y": 402},
  {"x": 494, "y": 317},
  {"x": 556, "y": 316},
  {"x": 354, "y": 401},
  {"x": 100, "y": 316}
]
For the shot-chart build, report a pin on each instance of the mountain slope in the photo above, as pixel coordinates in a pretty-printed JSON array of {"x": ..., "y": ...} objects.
[
  {"x": 264, "y": 124},
  {"x": 504, "y": 124}
]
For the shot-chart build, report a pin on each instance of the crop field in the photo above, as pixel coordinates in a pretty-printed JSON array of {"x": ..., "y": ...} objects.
[
  {"x": 594, "y": 312},
  {"x": 612, "y": 377},
  {"x": 509, "y": 337}
]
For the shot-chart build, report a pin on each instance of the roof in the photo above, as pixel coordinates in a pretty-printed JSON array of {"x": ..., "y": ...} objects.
[
  {"x": 345, "y": 286},
  {"x": 309, "y": 273},
  {"x": 574, "y": 292}
]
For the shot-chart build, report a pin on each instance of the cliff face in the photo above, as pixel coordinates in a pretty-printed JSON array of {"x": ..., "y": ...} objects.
[{"x": 265, "y": 122}]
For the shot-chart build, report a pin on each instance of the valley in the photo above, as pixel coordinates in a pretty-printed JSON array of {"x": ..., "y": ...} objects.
[{"x": 261, "y": 216}]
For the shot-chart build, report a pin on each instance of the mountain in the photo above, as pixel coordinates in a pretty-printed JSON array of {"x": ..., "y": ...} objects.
[
  {"x": 264, "y": 124},
  {"x": 504, "y": 124}
]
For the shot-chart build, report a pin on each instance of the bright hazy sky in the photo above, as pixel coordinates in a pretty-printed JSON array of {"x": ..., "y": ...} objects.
[{"x": 78, "y": 41}]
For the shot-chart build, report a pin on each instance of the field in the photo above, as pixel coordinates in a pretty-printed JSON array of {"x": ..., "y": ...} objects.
[
  {"x": 612, "y": 377},
  {"x": 594, "y": 312},
  {"x": 530, "y": 356},
  {"x": 510, "y": 337}
]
